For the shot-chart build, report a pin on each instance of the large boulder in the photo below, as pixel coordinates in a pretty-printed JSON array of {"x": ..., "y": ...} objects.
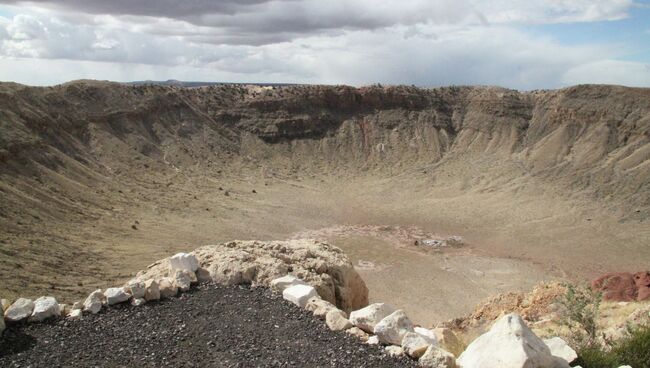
[
  {"x": 391, "y": 330},
  {"x": 319, "y": 264},
  {"x": 299, "y": 294},
  {"x": 366, "y": 318},
  {"x": 509, "y": 343},
  {"x": 45, "y": 307},
  {"x": 435, "y": 357},
  {"x": 94, "y": 302},
  {"x": 19, "y": 310},
  {"x": 116, "y": 295},
  {"x": 184, "y": 262},
  {"x": 560, "y": 349}
]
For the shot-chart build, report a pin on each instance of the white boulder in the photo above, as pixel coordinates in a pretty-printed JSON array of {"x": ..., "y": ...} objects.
[
  {"x": 152, "y": 290},
  {"x": 75, "y": 314},
  {"x": 184, "y": 261},
  {"x": 45, "y": 307},
  {"x": 366, "y": 318},
  {"x": 392, "y": 328},
  {"x": 116, "y": 295},
  {"x": 299, "y": 294},
  {"x": 414, "y": 344},
  {"x": 560, "y": 349},
  {"x": 436, "y": 357},
  {"x": 509, "y": 343},
  {"x": 19, "y": 310},
  {"x": 94, "y": 302},
  {"x": 286, "y": 281},
  {"x": 137, "y": 289},
  {"x": 183, "y": 280},
  {"x": 337, "y": 320},
  {"x": 427, "y": 334}
]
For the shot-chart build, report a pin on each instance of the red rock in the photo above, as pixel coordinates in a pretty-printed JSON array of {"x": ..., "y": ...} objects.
[
  {"x": 642, "y": 282},
  {"x": 616, "y": 286}
]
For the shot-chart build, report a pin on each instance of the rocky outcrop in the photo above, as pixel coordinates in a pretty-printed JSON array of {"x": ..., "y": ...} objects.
[
  {"x": 509, "y": 343},
  {"x": 317, "y": 263}
]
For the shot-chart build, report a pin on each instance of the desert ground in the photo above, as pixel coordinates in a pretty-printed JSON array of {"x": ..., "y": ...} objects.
[{"x": 93, "y": 192}]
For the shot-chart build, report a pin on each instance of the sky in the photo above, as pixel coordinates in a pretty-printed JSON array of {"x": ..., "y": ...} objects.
[{"x": 521, "y": 44}]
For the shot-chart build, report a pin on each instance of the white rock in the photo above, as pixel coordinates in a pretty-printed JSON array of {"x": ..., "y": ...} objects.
[
  {"x": 19, "y": 310},
  {"x": 436, "y": 357},
  {"x": 414, "y": 344},
  {"x": 167, "y": 288},
  {"x": 136, "y": 302},
  {"x": 152, "y": 290},
  {"x": 75, "y": 314},
  {"x": 183, "y": 280},
  {"x": 560, "y": 349},
  {"x": 337, "y": 320},
  {"x": 116, "y": 295},
  {"x": 372, "y": 340},
  {"x": 366, "y": 318},
  {"x": 394, "y": 351},
  {"x": 184, "y": 261},
  {"x": 319, "y": 307},
  {"x": 392, "y": 328},
  {"x": 299, "y": 294},
  {"x": 94, "y": 302},
  {"x": 64, "y": 309},
  {"x": 286, "y": 281},
  {"x": 428, "y": 335},
  {"x": 45, "y": 307},
  {"x": 509, "y": 343},
  {"x": 5, "y": 304},
  {"x": 137, "y": 289}
]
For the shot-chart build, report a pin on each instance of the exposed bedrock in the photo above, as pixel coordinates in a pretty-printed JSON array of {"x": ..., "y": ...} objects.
[{"x": 322, "y": 265}]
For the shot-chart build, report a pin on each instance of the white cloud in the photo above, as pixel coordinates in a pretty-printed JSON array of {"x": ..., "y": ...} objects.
[
  {"x": 418, "y": 42},
  {"x": 634, "y": 74}
]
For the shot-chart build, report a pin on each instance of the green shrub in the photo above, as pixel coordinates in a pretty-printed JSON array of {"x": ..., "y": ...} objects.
[
  {"x": 633, "y": 350},
  {"x": 580, "y": 313}
]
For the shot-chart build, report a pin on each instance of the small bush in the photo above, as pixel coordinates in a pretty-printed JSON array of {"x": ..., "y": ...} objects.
[
  {"x": 581, "y": 306},
  {"x": 633, "y": 350}
]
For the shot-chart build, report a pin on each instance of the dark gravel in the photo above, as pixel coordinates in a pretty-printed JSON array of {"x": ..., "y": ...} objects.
[{"x": 211, "y": 326}]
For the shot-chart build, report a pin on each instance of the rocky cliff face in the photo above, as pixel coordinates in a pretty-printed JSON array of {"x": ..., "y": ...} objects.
[{"x": 592, "y": 138}]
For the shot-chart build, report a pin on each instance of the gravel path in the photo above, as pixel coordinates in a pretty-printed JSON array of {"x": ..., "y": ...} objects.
[{"x": 211, "y": 326}]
